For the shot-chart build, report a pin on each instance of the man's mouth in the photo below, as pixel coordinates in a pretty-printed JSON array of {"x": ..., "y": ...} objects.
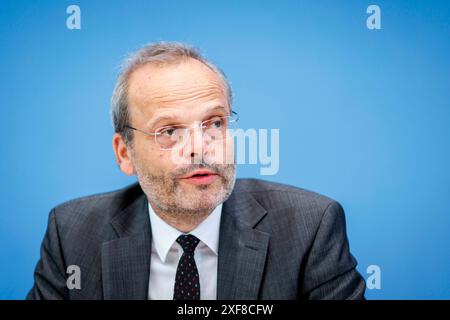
[{"x": 199, "y": 177}]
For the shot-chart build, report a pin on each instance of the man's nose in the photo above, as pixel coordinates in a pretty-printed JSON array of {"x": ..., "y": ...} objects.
[{"x": 195, "y": 145}]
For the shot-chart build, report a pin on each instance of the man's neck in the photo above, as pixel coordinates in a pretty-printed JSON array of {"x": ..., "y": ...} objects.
[{"x": 182, "y": 221}]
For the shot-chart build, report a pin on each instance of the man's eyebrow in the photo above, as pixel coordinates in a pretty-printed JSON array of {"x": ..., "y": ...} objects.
[
  {"x": 216, "y": 107},
  {"x": 162, "y": 117},
  {"x": 151, "y": 123}
]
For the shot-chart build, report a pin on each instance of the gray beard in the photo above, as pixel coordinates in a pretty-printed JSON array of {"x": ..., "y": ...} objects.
[{"x": 164, "y": 191}]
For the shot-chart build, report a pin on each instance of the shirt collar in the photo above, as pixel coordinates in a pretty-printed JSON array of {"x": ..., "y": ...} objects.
[{"x": 164, "y": 235}]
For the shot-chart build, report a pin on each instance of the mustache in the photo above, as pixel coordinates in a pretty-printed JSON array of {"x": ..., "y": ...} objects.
[{"x": 215, "y": 168}]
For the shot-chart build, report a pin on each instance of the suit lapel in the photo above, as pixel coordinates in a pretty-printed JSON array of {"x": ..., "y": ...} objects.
[
  {"x": 126, "y": 260},
  {"x": 242, "y": 249}
]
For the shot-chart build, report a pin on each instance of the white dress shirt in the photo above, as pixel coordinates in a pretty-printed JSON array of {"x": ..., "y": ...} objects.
[{"x": 166, "y": 253}]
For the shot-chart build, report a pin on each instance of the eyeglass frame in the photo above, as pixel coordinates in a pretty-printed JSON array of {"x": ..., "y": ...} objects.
[{"x": 156, "y": 134}]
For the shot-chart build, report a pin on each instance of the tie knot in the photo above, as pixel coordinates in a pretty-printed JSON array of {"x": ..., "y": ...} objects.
[{"x": 188, "y": 242}]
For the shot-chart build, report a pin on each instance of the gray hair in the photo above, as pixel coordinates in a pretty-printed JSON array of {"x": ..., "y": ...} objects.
[{"x": 157, "y": 53}]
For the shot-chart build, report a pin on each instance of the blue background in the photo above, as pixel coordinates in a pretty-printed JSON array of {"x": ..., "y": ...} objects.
[{"x": 363, "y": 115}]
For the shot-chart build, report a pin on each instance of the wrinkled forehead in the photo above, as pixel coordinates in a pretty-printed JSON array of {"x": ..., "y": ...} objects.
[{"x": 185, "y": 86}]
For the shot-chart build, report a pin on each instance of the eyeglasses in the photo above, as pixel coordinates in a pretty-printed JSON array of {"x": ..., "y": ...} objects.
[{"x": 176, "y": 136}]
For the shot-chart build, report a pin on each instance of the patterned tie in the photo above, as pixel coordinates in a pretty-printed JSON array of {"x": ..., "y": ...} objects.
[{"x": 187, "y": 281}]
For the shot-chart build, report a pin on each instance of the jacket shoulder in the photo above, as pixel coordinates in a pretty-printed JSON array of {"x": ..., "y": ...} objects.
[
  {"x": 95, "y": 209},
  {"x": 270, "y": 194},
  {"x": 289, "y": 207}
]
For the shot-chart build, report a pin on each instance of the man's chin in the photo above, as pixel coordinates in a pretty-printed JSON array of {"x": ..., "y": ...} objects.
[{"x": 204, "y": 196}]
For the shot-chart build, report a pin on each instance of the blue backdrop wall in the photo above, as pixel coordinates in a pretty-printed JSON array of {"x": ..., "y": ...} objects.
[{"x": 363, "y": 115}]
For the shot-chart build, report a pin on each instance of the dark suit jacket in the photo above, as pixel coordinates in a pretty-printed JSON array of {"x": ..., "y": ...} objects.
[{"x": 276, "y": 242}]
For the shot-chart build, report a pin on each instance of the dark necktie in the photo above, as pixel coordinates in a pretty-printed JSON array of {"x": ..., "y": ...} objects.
[{"x": 187, "y": 281}]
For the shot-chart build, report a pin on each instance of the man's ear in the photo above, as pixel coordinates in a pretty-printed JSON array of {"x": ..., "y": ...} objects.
[{"x": 123, "y": 154}]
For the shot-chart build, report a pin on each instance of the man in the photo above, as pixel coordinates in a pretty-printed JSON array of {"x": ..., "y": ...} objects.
[{"x": 188, "y": 230}]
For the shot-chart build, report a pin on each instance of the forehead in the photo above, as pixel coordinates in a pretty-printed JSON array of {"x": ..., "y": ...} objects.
[{"x": 184, "y": 86}]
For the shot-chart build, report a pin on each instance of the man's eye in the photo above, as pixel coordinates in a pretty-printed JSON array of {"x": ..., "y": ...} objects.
[
  {"x": 216, "y": 123},
  {"x": 169, "y": 132}
]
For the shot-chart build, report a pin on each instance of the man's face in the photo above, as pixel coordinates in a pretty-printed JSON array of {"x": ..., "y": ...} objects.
[{"x": 184, "y": 93}]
